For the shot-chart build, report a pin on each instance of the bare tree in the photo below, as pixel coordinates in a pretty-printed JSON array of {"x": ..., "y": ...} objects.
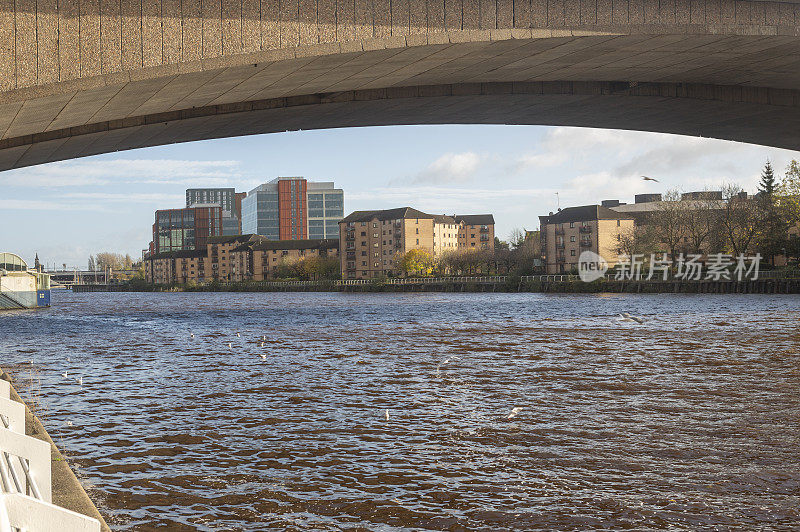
[
  {"x": 669, "y": 221},
  {"x": 742, "y": 219}
]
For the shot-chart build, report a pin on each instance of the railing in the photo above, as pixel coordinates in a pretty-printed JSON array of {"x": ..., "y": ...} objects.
[
  {"x": 25, "y": 478},
  {"x": 585, "y": 229}
]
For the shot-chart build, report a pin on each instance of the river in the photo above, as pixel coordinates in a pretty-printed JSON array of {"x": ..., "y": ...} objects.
[{"x": 690, "y": 420}]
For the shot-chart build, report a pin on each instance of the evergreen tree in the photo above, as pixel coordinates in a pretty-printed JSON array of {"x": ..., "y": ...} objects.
[{"x": 767, "y": 184}]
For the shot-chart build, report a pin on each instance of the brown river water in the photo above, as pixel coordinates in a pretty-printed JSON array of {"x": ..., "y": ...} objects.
[{"x": 688, "y": 421}]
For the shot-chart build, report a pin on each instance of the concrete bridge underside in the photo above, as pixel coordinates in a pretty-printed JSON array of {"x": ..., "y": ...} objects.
[{"x": 82, "y": 77}]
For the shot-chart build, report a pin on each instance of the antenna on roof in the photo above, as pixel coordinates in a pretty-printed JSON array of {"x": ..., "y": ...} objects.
[{"x": 558, "y": 201}]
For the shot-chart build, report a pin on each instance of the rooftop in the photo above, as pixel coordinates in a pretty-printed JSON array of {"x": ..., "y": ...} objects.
[{"x": 583, "y": 213}]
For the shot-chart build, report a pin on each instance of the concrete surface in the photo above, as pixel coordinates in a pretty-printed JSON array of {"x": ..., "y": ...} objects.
[
  {"x": 80, "y": 77},
  {"x": 67, "y": 490}
]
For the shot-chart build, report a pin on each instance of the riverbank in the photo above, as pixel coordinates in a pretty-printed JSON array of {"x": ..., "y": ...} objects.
[
  {"x": 771, "y": 284},
  {"x": 66, "y": 488}
]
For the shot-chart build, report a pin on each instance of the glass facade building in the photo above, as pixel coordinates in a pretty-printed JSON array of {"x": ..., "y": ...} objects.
[
  {"x": 291, "y": 208},
  {"x": 227, "y": 199},
  {"x": 186, "y": 229}
]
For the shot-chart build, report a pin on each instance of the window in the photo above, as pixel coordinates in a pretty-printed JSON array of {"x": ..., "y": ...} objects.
[
  {"x": 572, "y": 253},
  {"x": 417, "y": 230},
  {"x": 571, "y": 225},
  {"x": 572, "y": 239},
  {"x": 617, "y": 223},
  {"x": 374, "y": 225},
  {"x": 418, "y": 241}
]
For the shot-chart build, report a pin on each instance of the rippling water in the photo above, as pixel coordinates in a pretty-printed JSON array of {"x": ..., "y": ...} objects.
[{"x": 688, "y": 421}]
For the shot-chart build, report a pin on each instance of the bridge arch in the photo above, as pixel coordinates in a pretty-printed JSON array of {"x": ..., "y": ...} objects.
[{"x": 83, "y": 77}]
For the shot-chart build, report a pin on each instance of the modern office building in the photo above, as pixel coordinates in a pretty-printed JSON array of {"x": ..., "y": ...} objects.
[
  {"x": 291, "y": 208},
  {"x": 185, "y": 229},
  {"x": 229, "y": 201},
  {"x": 372, "y": 243}
]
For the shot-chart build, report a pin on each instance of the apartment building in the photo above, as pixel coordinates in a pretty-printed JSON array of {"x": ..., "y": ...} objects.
[
  {"x": 220, "y": 255},
  {"x": 373, "y": 243},
  {"x": 475, "y": 231},
  {"x": 259, "y": 260},
  {"x": 175, "y": 267},
  {"x": 291, "y": 208},
  {"x": 573, "y": 230}
]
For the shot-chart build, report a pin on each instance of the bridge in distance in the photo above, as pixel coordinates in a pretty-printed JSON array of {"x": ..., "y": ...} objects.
[{"x": 83, "y": 77}]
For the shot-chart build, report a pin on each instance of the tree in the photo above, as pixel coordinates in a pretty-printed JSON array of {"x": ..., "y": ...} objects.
[
  {"x": 669, "y": 221},
  {"x": 638, "y": 240},
  {"x": 417, "y": 263},
  {"x": 767, "y": 185},
  {"x": 742, "y": 219},
  {"x": 788, "y": 194},
  {"x": 499, "y": 244},
  {"x": 516, "y": 238},
  {"x": 92, "y": 265},
  {"x": 701, "y": 226}
]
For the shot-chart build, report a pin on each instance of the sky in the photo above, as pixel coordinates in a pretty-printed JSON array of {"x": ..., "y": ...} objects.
[{"x": 69, "y": 210}]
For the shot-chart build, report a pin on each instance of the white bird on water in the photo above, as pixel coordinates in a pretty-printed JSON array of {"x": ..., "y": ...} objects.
[
  {"x": 263, "y": 356},
  {"x": 387, "y": 414},
  {"x": 79, "y": 380},
  {"x": 230, "y": 345},
  {"x": 238, "y": 335},
  {"x": 65, "y": 375},
  {"x": 191, "y": 335},
  {"x": 514, "y": 411},
  {"x": 445, "y": 361},
  {"x": 626, "y": 316}
]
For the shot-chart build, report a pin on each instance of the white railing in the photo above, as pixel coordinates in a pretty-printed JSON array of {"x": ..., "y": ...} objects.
[{"x": 25, "y": 478}]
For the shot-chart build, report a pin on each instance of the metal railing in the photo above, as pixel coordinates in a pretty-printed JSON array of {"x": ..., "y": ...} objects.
[{"x": 25, "y": 478}]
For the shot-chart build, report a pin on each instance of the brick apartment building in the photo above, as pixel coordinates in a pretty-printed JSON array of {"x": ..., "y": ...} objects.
[
  {"x": 372, "y": 243},
  {"x": 576, "y": 229}
]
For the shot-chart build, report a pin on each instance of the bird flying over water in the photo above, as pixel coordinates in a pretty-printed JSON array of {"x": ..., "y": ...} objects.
[
  {"x": 645, "y": 178},
  {"x": 627, "y": 316},
  {"x": 514, "y": 411}
]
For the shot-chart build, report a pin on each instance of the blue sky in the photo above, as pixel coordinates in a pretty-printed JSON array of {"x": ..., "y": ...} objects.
[{"x": 66, "y": 211}]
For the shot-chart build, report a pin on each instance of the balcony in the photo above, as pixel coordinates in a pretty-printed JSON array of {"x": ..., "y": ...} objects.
[
  {"x": 586, "y": 229},
  {"x": 586, "y": 243},
  {"x": 350, "y": 238},
  {"x": 398, "y": 244},
  {"x": 561, "y": 258},
  {"x": 484, "y": 229},
  {"x": 559, "y": 231},
  {"x": 398, "y": 225},
  {"x": 351, "y": 254},
  {"x": 560, "y": 246}
]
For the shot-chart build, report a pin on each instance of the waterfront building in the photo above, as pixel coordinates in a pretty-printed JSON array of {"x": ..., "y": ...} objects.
[
  {"x": 175, "y": 267},
  {"x": 229, "y": 201},
  {"x": 185, "y": 229},
  {"x": 475, "y": 231},
  {"x": 260, "y": 260},
  {"x": 569, "y": 232},
  {"x": 219, "y": 260},
  {"x": 291, "y": 208},
  {"x": 21, "y": 287},
  {"x": 372, "y": 243}
]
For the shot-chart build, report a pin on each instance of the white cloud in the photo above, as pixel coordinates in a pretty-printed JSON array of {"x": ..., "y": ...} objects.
[
  {"x": 451, "y": 168},
  {"x": 125, "y": 171},
  {"x": 41, "y": 205},
  {"x": 124, "y": 197}
]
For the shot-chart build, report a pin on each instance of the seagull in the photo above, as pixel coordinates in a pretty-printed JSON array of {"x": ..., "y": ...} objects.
[
  {"x": 514, "y": 411},
  {"x": 387, "y": 414},
  {"x": 79, "y": 380},
  {"x": 238, "y": 335},
  {"x": 629, "y": 317},
  {"x": 445, "y": 361},
  {"x": 264, "y": 338},
  {"x": 230, "y": 345},
  {"x": 65, "y": 375},
  {"x": 69, "y": 423},
  {"x": 644, "y": 177},
  {"x": 263, "y": 356},
  {"x": 191, "y": 335}
]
